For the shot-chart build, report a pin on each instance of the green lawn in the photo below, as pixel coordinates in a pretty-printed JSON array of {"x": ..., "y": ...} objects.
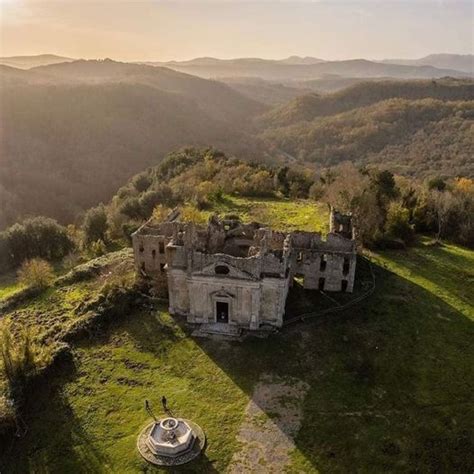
[
  {"x": 281, "y": 214},
  {"x": 391, "y": 382}
]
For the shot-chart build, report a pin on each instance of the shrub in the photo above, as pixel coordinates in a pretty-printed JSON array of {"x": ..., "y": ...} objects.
[
  {"x": 398, "y": 224},
  {"x": 160, "y": 213},
  {"x": 98, "y": 248},
  {"x": 131, "y": 208},
  {"x": 95, "y": 224},
  {"x": 36, "y": 273},
  {"x": 189, "y": 213},
  {"x": 141, "y": 182},
  {"x": 148, "y": 201},
  {"x": 19, "y": 359},
  {"x": 38, "y": 237}
]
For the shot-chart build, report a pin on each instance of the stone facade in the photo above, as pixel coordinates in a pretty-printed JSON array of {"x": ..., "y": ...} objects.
[{"x": 240, "y": 274}]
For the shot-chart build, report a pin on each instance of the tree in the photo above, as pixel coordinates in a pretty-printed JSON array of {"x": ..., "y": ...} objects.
[
  {"x": 95, "y": 224},
  {"x": 443, "y": 203},
  {"x": 437, "y": 184},
  {"x": 131, "y": 208},
  {"x": 189, "y": 213},
  {"x": 345, "y": 190},
  {"x": 398, "y": 222},
  {"x": 37, "y": 237},
  {"x": 36, "y": 273},
  {"x": 141, "y": 182},
  {"x": 281, "y": 180}
]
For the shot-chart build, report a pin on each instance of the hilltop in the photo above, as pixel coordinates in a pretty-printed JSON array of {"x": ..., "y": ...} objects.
[
  {"x": 460, "y": 62},
  {"x": 310, "y": 106},
  {"x": 284, "y": 70},
  {"x": 73, "y": 132},
  {"x": 423, "y": 138},
  {"x": 26, "y": 62},
  {"x": 418, "y": 128},
  {"x": 402, "y": 358}
]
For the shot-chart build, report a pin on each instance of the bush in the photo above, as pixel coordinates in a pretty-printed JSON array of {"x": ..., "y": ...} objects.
[
  {"x": 189, "y": 213},
  {"x": 36, "y": 273},
  {"x": 98, "y": 248},
  {"x": 131, "y": 208},
  {"x": 398, "y": 224},
  {"x": 95, "y": 224},
  {"x": 160, "y": 213},
  {"x": 148, "y": 201},
  {"x": 38, "y": 237},
  {"x": 141, "y": 182},
  {"x": 19, "y": 360}
]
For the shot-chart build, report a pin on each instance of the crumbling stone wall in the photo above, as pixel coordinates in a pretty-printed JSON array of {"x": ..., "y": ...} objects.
[
  {"x": 327, "y": 265},
  {"x": 248, "y": 268}
]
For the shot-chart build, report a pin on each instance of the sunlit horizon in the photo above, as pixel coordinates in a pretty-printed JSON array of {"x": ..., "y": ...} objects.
[{"x": 166, "y": 31}]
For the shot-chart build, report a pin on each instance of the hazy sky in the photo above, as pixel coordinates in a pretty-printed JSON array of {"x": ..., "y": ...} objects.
[{"x": 157, "y": 30}]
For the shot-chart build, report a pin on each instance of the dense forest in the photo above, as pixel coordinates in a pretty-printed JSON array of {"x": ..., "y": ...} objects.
[
  {"x": 70, "y": 143},
  {"x": 311, "y": 106},
  {"x": 418, "y": 137},
  {"x": 72, "y": 133},
  {"x": 388, "y": 209}
]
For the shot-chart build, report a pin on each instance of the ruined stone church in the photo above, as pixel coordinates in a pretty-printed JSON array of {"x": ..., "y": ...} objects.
[{"x": 240, "y": 274}]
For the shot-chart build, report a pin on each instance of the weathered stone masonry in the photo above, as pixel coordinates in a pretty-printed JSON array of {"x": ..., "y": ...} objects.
[{"x": 240, "y": 274}]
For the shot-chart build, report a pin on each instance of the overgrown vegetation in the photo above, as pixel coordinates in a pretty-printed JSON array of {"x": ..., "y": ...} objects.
[
  {"x": 387, "y": 209},
  {"x": 390, "y": 382},
  {"x": 36, "y": 237},
  {"x": 36, "y": 273},
  {"x": 132, "y": 115},
  {"x": 411, "y": 137},
  {"x": 36, "y": 328}
]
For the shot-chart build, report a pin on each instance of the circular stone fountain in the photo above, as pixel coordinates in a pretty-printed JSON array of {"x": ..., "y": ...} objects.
[{"x": 171, "y": 441}]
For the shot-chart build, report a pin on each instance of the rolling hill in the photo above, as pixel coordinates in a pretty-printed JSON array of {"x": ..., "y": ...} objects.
[
  {"x": 26, "y": 62},
  {"x": 460, "y": 62},
  {"x": 269, "y": 92},
  {"x": 311, "y": 106},
  {"x": 281, "y": 71},
  {"x": 72, "y": 133},
  {"x": 422, "y": 137}
]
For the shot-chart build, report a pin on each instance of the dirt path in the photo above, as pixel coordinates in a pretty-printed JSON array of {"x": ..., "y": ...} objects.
[{"x": 272, "y": 421}]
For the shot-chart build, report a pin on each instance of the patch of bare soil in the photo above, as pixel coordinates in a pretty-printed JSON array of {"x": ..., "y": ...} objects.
[{"x": 272, "y": 421}]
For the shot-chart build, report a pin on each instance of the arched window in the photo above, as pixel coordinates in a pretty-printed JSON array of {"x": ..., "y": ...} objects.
[{"x": 221, "y": 270}]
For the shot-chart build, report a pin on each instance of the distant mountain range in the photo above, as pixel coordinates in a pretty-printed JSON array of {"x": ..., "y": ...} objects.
[
  {"x": 459, "y": 62},
  {"x": 73, "y": 132},
  {"x": 305, "y": 69},
  {"x": 27, "y": 62},
  {"x": 296, "y": 67}
]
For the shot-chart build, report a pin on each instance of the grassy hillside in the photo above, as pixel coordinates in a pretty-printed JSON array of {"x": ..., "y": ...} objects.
[
  {"x": 415, "y": 137},
  {"x": 389, "y": 383}
]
